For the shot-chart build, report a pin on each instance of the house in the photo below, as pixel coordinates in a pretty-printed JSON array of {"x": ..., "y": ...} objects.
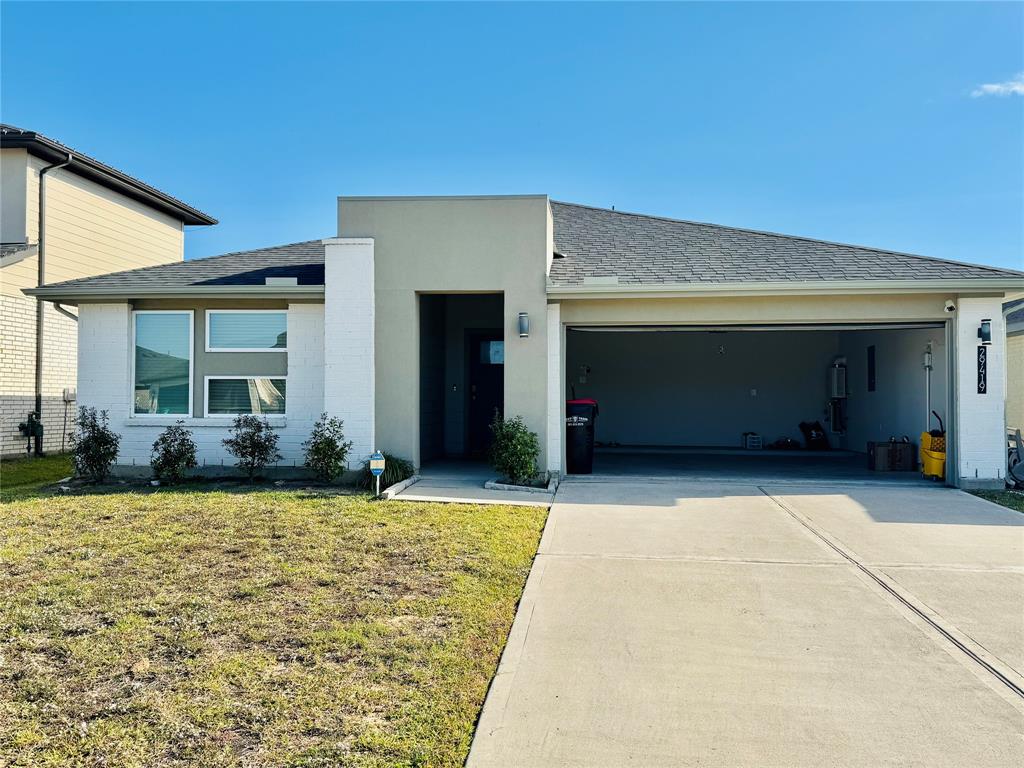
[
  {"x": 64, "y": 216},
  {"x": 1015, "y": 365},
  {"x": 425, "y": 315}
]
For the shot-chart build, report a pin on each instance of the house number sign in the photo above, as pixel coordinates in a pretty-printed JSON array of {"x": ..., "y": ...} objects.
[{"x": 982, "y": 370}]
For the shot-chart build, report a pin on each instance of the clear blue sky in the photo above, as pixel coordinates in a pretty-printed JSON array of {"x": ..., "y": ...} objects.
[{"x": 849, "y": 122}]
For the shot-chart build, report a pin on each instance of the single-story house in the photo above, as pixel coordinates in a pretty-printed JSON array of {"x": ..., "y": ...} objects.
[{"x": 425, "y": 315}]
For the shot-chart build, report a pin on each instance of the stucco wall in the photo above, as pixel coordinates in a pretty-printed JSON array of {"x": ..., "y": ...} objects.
[
  {"x": 1015, "y": 381},
  {"x": 452, "y": 245}
]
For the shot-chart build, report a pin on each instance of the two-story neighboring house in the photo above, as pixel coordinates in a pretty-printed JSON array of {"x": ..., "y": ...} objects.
[{"x": 64, "y": 215}]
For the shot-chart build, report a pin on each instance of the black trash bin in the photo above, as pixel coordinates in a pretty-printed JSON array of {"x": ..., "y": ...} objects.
[{"x": 579, "y": 436}]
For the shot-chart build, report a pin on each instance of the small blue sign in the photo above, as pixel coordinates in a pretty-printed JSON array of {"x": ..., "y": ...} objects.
[{"x": 377, "y": 464}]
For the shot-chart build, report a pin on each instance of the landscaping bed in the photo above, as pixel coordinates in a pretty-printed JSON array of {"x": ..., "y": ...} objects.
[
  {"x": 1011, "y": 499},
  {"x": 240, "y": 626}
]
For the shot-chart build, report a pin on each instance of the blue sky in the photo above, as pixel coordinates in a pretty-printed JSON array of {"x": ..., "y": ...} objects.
[{"x": 847, "y": 122}]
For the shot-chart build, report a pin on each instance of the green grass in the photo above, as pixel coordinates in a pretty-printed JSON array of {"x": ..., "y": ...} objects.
[
  {"x": 251, "y": 628},
  {"x": 1011, "y": 499},
  {"x": 22, "y": 477}
]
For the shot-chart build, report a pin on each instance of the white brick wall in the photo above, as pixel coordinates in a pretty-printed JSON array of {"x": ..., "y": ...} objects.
[
  {"x": 555, "y": 422},
  {"x": 104, "y": 369},
  {"x": 981, "y": 436},
  {"x": 349, "y": 354},
  {"x": 17, "y": 382}
]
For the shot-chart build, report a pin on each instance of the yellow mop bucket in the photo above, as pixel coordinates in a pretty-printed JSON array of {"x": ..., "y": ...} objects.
[{"x": 933, "y": 451}]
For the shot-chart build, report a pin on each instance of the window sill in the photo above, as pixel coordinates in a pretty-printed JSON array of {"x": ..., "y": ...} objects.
[{"x": 218, "y": 422}]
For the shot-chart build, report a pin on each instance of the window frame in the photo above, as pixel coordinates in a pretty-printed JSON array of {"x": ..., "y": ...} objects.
[
  {"x": 206, "y": 395},
  {"x": 258, "y": 350},
  {"x": 191, "y": 365}
]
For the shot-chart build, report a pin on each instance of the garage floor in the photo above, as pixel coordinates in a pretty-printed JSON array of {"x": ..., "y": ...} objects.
[
  {"x": 728, "y": 624},
  {"x": 748, "y": 466}
]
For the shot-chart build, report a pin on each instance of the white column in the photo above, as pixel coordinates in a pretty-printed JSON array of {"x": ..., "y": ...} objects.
[
  {"x": 104, "y": 350},
  {"x": 349, "y": 339},
  {"x": 981, "y": 417},
  {"x": 554, "y": 390}
]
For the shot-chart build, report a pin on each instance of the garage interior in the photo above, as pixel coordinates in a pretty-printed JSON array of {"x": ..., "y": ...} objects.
[{"x": 699, "y": 400}]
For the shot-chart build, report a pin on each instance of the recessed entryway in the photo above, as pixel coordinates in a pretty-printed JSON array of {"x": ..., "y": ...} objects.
[{"x": 462, "y": 373}]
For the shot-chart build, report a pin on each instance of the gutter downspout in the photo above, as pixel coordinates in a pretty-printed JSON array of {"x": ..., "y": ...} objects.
[
  {"x": 64, "y": 311},
  {"x": 40, "y": 304}
]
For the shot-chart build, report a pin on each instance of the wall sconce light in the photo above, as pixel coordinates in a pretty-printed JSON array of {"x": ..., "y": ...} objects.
[
  {"x": 985, "y": 332},
  {"x": 524, "y": 325}
]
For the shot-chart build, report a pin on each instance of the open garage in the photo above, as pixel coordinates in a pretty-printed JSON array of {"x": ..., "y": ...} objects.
[{"x": 791, "y": 400}]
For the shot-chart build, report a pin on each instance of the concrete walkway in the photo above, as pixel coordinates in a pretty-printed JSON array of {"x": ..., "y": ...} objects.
[
  {"x": 463, "y": 482},
  {"x": 684, "y": 623}
]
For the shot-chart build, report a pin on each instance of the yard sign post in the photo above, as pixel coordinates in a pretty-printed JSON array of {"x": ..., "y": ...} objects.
[{"x": 377, "y": 467}]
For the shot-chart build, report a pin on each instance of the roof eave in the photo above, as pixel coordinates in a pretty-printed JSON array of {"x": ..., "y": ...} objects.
[
  {"x": 73, "y": 296},
  {"x": 103, "y": 174},
  {"x": 785, "y": 288}
]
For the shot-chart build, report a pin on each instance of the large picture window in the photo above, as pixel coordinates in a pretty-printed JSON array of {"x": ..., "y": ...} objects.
[
  {"x": 163, "y": 363},
  {"x": 233, "y": 395},
  {"x": 246, "y": 330}
]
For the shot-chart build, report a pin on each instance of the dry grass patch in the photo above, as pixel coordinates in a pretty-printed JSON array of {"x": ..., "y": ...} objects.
[{"x": 262, "y": 628}]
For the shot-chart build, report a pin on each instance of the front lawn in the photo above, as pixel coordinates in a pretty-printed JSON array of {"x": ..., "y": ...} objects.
[
  {"x": 262, "y": 628},
  {"x": 1011, "y": 499},
  {"x": 21, "y": 477}
]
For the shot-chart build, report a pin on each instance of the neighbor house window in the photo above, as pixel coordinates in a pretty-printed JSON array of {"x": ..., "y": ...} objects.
[
  {"x": 162, "y": 363},
  {"x": 246, "y": 330},
  {"x": 233, "y": 395}
]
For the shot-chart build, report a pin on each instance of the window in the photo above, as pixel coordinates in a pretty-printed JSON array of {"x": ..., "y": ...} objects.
[
  {"x": 162, "y": 363},
  {"x": 246, "y": 330},
  {"x": 232, "y": 395},
  {"x": 492, "y": 352}
]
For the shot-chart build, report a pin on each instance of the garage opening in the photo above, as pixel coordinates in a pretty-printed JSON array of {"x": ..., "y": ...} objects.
[{"x": 728, "y": 398}]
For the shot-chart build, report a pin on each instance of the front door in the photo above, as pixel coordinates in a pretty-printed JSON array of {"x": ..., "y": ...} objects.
[{"x": 486, "y": 351}]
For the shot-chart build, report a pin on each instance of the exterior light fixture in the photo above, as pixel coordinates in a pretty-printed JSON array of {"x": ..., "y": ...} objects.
[
  {"x": 524, "y": 325},
  {"x": 985, "y": 332}
]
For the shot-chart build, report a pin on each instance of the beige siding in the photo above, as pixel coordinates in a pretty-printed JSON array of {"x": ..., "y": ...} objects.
[
  {"x": 13, "y": 179},
  {"x": 1015, "y": 381},
  {"x": 91, "y": 230}
]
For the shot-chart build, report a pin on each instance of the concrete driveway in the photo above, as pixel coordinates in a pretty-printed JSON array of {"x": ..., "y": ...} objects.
[{"x": 728, "y": 624}]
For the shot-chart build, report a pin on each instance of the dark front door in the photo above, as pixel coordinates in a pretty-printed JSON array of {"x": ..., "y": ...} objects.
[{"x": 486, "y": 351}]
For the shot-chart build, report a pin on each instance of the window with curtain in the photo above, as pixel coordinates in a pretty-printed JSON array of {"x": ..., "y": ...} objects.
[
  {"x": 246, "y": 331},
  {"x": 163, "y": 351},
  {"x": 232, "y": 396}
]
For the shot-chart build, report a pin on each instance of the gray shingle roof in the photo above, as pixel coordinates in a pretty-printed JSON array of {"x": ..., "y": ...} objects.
[
  {"x": 304, "y": 261},
  {"x": 643, "y": 250}
]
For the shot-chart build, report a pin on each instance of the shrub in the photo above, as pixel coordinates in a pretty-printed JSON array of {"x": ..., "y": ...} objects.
[
  {"x": 395, "y": 471},
  {"x": 515, "y": 450},
  {"x": 94, "y": 445},
  {"x": 253, "y": 442},
  {"x": 326, "y": 449},
  {"x": 174, "y": 453}
]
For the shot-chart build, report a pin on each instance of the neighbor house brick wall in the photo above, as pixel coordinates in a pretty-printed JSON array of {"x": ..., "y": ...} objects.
[
  {"x": 981, "y": 424},
  {"x": 1015, "y": 381},
  {"x": 349, "y": 355},
  {"x": 17, "y": 362},
  {"x": 104, "y": 383}
]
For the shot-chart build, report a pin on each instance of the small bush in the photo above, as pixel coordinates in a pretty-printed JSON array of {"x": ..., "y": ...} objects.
[
  {"x": 174, "y": 453},
  {"x": 253, "y": 442},
  {"x": 395, "y": 471},
  {"x": 514, "y": 451},
  {"x": 326, "y": 449},
  {"x": 94, "y": 445}
]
